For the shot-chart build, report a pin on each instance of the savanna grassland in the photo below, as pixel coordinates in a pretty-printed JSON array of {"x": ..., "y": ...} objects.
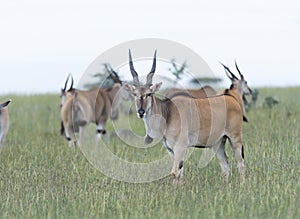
[{"x": 41, "y": 177}]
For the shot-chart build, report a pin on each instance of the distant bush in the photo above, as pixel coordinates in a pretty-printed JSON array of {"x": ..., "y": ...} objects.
[{"x": 270, "y": 102}]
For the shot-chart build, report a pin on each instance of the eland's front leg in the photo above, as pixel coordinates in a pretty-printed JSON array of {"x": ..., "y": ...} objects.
[
  {"x": 169, "y": 149},
  {"x": 101, "y": 130},
  {"x": 177, "y": 169},
  {"x": 2, "y": 139},
  {"x": 239, "y": 156},
  {"x": 81, "y": 135},
  {"x": 69, "y": 134}
]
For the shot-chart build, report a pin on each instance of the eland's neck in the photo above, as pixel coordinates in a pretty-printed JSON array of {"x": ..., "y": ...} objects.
[
  {"x": 113, "y": 92},
  {"x": 156, "y": 117},
  {"x": 238, "y": 96}
]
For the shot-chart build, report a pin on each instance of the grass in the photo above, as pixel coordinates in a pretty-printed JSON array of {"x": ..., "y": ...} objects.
[{"x": 42, "y": 178}]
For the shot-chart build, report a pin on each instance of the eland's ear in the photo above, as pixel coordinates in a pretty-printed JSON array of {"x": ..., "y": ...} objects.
[
  {"x": 156, "y": 87},
  {"x": 129, "y": 87}
]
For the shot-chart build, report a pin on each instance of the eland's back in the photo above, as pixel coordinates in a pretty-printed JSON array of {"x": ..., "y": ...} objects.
[
  {"x": 205, "y": 121},
  {"x": 206, "y": 91}
]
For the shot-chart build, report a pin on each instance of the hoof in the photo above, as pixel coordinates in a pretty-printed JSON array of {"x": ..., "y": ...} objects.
[
  {"x": 175, "y": 174},
  {"x": 148, "y": 139},
  {"x": 225, "y": 178},
  {"x": 101, "y": 131},
  {"x": 242, "y": 180},
  {"x": 177, "y": 181}
]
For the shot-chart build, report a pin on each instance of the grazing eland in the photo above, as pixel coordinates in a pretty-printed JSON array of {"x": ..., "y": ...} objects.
[
  {"x": 4, "y": 122},
  {"x": 183, "y": 122}
]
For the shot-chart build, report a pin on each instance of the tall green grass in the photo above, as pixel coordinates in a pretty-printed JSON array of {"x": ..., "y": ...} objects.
[{"x": 40, "y": 177}]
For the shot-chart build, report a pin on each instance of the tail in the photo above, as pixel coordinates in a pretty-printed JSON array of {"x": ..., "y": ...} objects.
[
  {"x": 243, "y": 151},
  {"x": 2, "y": 105},
  {"x": 62, "y": 128},
  {"x": 78, "y": 112}
]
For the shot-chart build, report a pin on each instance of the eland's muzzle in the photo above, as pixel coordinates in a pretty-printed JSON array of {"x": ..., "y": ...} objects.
[{"x": 141, "y": 113}]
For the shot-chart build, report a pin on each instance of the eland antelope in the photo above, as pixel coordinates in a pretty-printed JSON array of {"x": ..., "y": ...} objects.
[
  {"x": 183, "y": 122},
  {"x": 92, "y": 106},
  {"x": 4, "y": 122},
  {"x": 64, "y": 95},
  {"x": 84, "y": 107}
]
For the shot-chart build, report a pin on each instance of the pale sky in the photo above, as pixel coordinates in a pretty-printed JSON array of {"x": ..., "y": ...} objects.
[{"x": 42, "y": 41}]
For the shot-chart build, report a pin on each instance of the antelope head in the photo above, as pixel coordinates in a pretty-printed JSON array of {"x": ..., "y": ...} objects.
[
  {"x": 240, "y": 84},
  {"x": 143, "y": 94},
  {"x": 66, "y": 93},
  {"x": 113, "y": 75}
]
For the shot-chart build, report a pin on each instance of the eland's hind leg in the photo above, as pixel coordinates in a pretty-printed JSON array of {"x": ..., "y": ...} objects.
[
  {"x": 81, "y": 134},
  {"x": 69, "y": 134},
  {"x": 223, "y": 159},
  {"x": 239, "y": 156},
  {"x": 2, "y": 139},
  {"x": 169, "y": 149},
  {"x": 101, "y": 126}
]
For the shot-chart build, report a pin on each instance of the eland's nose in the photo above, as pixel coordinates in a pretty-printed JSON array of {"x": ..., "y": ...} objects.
[{"x": 141, "y": 112}]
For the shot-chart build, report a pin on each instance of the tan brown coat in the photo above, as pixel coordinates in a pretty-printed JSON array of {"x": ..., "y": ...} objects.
[
  {"x": 4, "y": 122},
  {"x": 84, "y": 107},
  {"x": 206, "y": 91},
  {"x": 183, "y": 122}
]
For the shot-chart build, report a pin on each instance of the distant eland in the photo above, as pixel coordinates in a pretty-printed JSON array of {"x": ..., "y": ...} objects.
[{"x": 80, "y": 108}]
